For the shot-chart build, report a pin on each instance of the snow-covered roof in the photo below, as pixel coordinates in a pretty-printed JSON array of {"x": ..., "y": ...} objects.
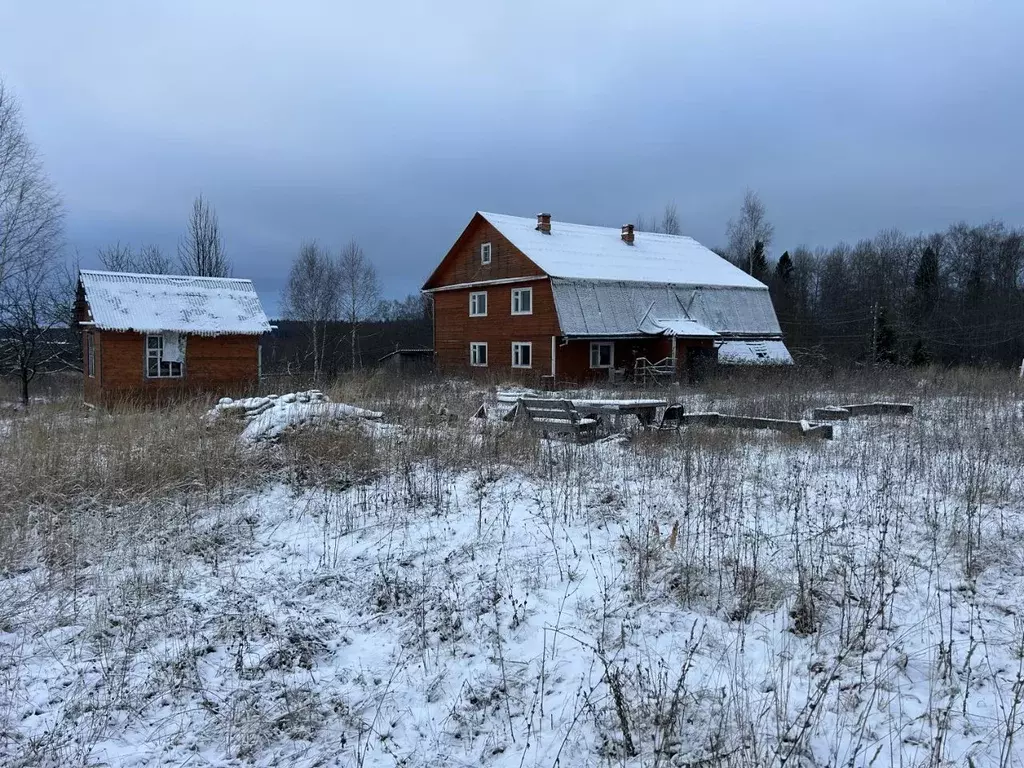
[
  {"x": 738, "y": 352},
  {"x": 621, "y": 308},
  {"x": 599, "y": 253},
  {"x": 676, "y": 326},
  {"x": 206, "y": 306}
]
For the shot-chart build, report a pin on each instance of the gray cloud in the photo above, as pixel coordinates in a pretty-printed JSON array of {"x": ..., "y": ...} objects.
[{"x": 393, "y": 123}]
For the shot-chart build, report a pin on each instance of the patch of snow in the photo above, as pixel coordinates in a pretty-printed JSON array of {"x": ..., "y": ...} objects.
[
  {"x": 270, "y": 416},
  {"x": 754, "y": 353},
  {"x": 580, "y": 403},
  {"x": 683, "y": 327},
  {"x": 396, "y": 622}
]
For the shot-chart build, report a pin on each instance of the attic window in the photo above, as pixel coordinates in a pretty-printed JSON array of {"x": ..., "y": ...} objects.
[
  {"x": 485, "y": 253},
  {"x": 158, "y": 366}
]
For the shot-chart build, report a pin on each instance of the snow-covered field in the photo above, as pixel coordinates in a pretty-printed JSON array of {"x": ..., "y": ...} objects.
[{"x": 455, "y": 593}]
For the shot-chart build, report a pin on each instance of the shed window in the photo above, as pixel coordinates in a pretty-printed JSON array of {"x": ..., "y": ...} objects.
[
  {"x": 157, "y": 364},
  {"x": 478, "y": 354},
  {"x": 485, "y": 253},
  {"x": 478, "y": 304},
  {"x": 601, "y": 354},
  {"x": 522, "y": 301},
  {"x": 90, "y": 354},
  {"x": 522, "y": 354}
]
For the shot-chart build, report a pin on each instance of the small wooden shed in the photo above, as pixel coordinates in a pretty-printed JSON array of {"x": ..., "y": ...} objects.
[
  {"x": 409, "y": 362},
  {"x": 150, "y": 338}
]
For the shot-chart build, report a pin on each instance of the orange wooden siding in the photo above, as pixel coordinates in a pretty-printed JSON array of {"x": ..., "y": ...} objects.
[
  {"x": 454, "y": 329},
  {"x": 462, "y": 263},
  {"x": 222, "y": 365}
]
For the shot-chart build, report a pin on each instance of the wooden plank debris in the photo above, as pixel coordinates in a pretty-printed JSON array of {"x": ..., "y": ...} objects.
[
  {"x": 844, "y": 412},
  {"x": 786, "y": 426}
]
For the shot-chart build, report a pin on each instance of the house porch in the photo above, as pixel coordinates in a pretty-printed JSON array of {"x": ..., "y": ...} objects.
[{"x": 631, "y": 358}]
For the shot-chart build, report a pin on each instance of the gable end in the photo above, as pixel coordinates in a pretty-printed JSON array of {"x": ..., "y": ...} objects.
[{"x": 462, "y": 265}]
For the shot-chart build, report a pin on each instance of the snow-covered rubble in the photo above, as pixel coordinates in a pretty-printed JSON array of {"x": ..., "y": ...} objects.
[{"x": 270, "y": 416}]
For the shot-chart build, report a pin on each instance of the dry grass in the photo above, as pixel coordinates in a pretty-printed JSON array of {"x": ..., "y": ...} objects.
[
  {"x": 59, "y": 457},
  {"x": 60, "y": 460},
  {"x": 832, "y": 541}
]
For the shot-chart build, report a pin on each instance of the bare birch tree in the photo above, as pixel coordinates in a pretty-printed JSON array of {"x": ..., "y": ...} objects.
[
  {"x": 31, "y": 214},
  {"x": 34, "y": 330},
  {"x": 148, "y": 260},
  {"x": 31, "y": 231},
  {"x": 312, "y": 297},
  {"x": 667, "y": 224},
  {"x": 748, "y": 229},
  {"x": 359, "y": 291},
  {"x": 670, "y": 220},
  {"x": 151, "y": 260},
  {"x": 117, "y": 258},
  {"x": 201, "y": 250}
]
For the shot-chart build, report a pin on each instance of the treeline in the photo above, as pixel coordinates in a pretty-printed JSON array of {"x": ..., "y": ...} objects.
[
  {"x": 288, "y": 349},
  {"x": 952, "y": 297}
]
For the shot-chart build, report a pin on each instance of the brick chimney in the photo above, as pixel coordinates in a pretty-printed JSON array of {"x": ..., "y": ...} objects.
[
  {"x": 627, "y": 234},
  {"x": 544, "y": 223}
]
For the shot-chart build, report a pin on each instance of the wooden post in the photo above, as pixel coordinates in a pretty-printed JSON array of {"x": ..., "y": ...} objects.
[
  {"x": 554, "y": 350},
  {"x": 675, "y": 361}
]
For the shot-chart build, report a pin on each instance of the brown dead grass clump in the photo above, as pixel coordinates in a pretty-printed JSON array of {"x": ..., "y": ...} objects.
[
  {"x": 330, "y": 456},
  {"x": 62, "y": 459}
]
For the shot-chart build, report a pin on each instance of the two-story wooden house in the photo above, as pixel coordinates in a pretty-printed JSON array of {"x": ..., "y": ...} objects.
[{"x": 536, "y": 298}]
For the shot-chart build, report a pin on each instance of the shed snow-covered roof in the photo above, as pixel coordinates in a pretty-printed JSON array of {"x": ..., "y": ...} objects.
[
  {"x": 763, "y": 352},
  {"x": 598, "y": 253},
  {"x": 207, "y": 306}
]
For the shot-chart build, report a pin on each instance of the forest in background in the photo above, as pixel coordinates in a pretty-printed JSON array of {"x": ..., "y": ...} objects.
[{"x": 953, "y": 297}]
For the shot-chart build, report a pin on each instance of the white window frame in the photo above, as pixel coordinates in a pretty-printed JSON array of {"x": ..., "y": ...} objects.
[
  {"x": 90, "y": 353},
  {"x": 595, "y": 347},
  {"x": 474, "y": 304},
  {"x": 517, "y": 352},
  {"x": 473, "y": 346},
  {"x": 517, "y": 301},
  {"x": 156, "y": 352},
  {"x": 485, "y": 253}
]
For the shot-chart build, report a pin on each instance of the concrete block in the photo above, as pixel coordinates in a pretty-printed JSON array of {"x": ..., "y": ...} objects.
[{"x": 831, "y": 413}]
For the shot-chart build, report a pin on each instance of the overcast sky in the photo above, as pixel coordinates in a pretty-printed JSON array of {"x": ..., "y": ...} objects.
[{"x": 394, "y": 122}]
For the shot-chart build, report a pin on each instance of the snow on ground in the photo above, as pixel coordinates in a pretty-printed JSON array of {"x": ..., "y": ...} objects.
[
  {"x": 268, "y": 417},
  {"x": 734, "y": 598}
]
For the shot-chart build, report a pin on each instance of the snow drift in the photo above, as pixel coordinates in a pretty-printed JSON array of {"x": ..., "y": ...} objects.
[{"x": 268, "y": 417}]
